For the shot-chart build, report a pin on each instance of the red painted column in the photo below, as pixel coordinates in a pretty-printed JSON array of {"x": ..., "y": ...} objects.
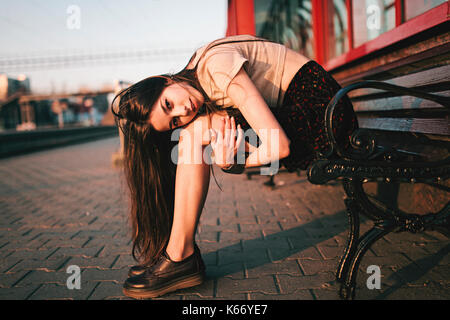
[
  {"x": 241, "y": 17},
  {"x": 318, "y": 14},
  {"x": 349, "y": 6},
  {"x": 399, "y": 11}
]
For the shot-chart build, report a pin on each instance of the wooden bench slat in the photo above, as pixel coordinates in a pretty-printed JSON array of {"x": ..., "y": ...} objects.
[
  {"x": 410, "y": 62},
  {"x": 427, "y": 126},
  {"x": 397, "y": 103},
  {"x": 432, "y": 77}
]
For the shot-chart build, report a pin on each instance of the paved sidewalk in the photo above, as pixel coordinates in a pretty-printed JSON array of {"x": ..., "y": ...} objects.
[{"x": 67, "y": 206}]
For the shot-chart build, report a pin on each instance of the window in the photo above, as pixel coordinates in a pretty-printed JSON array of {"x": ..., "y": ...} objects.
[
  {"x": 337, "y": 40},
  {"x": 413, "y": 8},
  {"x": 335, "y": 32},
  {"x": 372, "y": 18},
  {"x": 351, "y": 29},
  {"x": 287, "y": 22}
]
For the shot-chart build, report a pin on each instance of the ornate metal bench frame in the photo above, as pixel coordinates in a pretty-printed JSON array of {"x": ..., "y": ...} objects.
[{"x": 366, "y": 160}]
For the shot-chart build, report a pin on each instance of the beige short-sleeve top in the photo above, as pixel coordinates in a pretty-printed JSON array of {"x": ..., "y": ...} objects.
[{"x": 263, "y": 61}]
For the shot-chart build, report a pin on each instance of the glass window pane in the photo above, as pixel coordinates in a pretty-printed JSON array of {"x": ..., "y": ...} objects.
[
  {"x": 413, "y": 8},
  {"x": 337, "y": 29},
  {"x": 372, "y": 18},
  {"x": 287, "y": 22}
]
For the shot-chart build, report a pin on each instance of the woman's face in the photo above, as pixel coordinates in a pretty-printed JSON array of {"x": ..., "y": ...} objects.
[{"x": 177, "y": 106}]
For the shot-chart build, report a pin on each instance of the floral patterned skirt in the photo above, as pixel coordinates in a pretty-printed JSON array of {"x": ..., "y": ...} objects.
[{"x": 302, "y": 115}]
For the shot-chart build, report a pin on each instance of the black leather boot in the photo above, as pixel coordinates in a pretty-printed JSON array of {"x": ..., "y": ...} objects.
[
  {"x": 165, "y": 276},
  {"x": 140, "y": 268},
  {"x": 137, "y": 270}
]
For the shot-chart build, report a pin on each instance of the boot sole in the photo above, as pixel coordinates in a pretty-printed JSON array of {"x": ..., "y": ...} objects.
[{"x": 187, "y": 282}]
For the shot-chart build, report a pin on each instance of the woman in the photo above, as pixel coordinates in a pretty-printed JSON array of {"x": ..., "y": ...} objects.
[{"x": 231, "y": 85}]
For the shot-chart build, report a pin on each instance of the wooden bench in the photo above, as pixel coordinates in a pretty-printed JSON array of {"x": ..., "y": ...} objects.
[{"x": 403, "y": 137}]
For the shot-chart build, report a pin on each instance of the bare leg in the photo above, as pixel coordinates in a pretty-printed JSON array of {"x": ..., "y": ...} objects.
[{"x": 191, "y": 188}]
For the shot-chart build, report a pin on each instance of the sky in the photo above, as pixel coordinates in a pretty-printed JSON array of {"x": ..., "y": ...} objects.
[{"x": 168, "y": 31}]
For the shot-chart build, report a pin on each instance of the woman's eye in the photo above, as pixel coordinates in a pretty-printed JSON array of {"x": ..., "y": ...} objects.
[
  {"x": 167, "y": 105},
  {"x": 175, "y": 122}
]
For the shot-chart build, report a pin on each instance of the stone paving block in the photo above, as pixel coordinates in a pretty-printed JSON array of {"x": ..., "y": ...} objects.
[
  {"x": 26, "y": 254},
  {"x": 263, "y": 284},
  {"x": 233, "y": 236},
  {"x": 237, "y": 270},
  {"x": 312, "y": 267},
  {"x": 44, "y": 265},
  {"x": 33, "y": 277},
  {"x": 96, "y": 275},
  {"x": 106, "y": 290},
  {"x": 169, "y": 296},
  {"x": 325, "y": 294},
  {"x": 421, "y": 277},
  {"x": 211, "y": 258},
  {"x": 52, "y": 291},
  {"x": 276, "y": 254},
  {"x": 307, "y": 253},
  {"x": 204, "y": 290},
  {"x": 388, "y": 274},
  {"x": 207, "y": 236},
  {"x": 219, "y": 228},
  {"x": 439, "y": 273},
  {"x": 124, "y": 261},
  {"x": 8, "y": 280},
  {"x": 297, "y": 295},
  {"x": 106, "y": 262},
  {"x": 257, "y": 229},
  {"x": 76, "y": 252},
  {"x": 233, "y": 296},
  {"x": 251, "y": 258},
  {"x": 112, "y": 250},
  {"x": 328, "y": 252},
  {"x": 13, "y": 245},
  {"x": 416, "y": 293},
  {"x": 230, "y": 256},
  {"x": 19, "y": 293},
  {"x": 330, "y": 242},
  {"x": 299, "y": 240},
  {"x": 386, "y": 249},
  {"x": 280, "y": 267},
  {"x": 396, "y": 259},
  {"x": 290, "y": 284},
  {"x": 239, "y": 215},
  {"x": 441, "y": 247},
  {"x": 276, "y": 242},
  {"x": 51, "y": 243},
  {"x": 111, "y": 242},
  {"x": 94, "y": 234},
  {"x": 7, "y": 264},
  {"x": 257, "y": 242}
]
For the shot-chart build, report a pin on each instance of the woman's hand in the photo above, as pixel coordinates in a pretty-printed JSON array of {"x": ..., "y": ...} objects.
[{"x": 224, "y": 142}]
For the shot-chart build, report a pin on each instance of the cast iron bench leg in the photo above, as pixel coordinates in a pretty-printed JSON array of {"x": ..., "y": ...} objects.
[
  {"x": 347, "y": 290},
  {"x": 353, "y": 236}
]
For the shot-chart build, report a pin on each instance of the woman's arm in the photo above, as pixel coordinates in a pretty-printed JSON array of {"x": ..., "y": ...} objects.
[
  {"x": 274, "y": 141},
  {"x": 201, "y": 127}
]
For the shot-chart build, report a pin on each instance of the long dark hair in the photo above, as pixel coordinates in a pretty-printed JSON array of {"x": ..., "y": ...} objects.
[
  {"x": 147, "y": 164},
  {"x": 148, "y": 167}
]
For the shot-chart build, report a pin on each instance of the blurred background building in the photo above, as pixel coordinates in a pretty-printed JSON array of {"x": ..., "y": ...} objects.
[
  {"x": 60, "y": 63},
  {"x": 352, "y": 39},
  {"x": 21, "y": 110}
]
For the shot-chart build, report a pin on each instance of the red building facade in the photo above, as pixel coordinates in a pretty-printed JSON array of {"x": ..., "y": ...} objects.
[{"x": 338, "y": 32}]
